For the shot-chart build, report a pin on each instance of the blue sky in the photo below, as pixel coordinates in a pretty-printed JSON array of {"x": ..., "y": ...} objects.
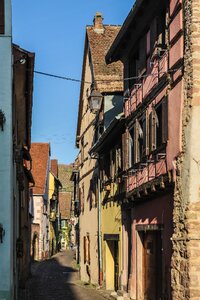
[{"x": 55, "y": 31}]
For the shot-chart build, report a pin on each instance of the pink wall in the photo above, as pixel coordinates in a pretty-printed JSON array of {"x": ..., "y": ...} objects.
[
  {"x": 170, "y": 61},
  {"x": 155, "y": 211}
]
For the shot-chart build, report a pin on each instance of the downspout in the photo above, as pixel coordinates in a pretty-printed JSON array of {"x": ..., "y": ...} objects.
[{"x": 99, "y": 235}]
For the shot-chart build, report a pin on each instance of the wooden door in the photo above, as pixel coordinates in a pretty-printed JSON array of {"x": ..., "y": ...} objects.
[{"x": 152, "y": 265}]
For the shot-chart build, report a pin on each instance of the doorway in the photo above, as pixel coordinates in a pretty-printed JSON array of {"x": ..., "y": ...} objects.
[
  {"x": 112, "y": 265},
  {"x": 152, "y": 265}
]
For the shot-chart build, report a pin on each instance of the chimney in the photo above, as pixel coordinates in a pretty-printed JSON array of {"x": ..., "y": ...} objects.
[{"x": 98, "y": 23}]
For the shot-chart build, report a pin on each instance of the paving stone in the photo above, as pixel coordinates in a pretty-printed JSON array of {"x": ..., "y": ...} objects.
[{"x": 57, "y": 279}]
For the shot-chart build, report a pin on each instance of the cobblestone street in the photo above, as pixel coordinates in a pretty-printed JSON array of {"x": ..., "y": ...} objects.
[{"x": 57, "y": 279}]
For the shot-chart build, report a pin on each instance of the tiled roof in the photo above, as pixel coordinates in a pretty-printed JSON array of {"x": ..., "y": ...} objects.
[
  {"x": 40, "y": 153},
  {"x": 54, "y": 167},
  {"x": 65, "y": 204},
  {"x": 64, "y": 175},
  {"x": 99, "y": 44}
]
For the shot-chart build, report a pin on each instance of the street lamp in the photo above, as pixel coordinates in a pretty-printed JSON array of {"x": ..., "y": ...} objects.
[{"x": 95, "y": 100}]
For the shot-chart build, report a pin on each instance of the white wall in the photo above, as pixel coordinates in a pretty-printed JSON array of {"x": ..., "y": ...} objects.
[
  {"x": 6, "y": 161},
  {"x": 43, "y": 221}
]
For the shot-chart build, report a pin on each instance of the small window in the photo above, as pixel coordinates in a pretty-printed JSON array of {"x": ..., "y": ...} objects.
[
  {"x": 137, "y": 141},
  {"x": 161, "y": 29},
  {"x": 2, "y": 17},
  {"x": 158, "y": 125},
  {"x": 132, "y": 70}
]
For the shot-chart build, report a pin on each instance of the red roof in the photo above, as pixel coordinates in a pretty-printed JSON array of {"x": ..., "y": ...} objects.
[
  {"x": 65, "y": 204},
  {"x": 40, "y": 153},
  {"x": 54, "y": 167}
]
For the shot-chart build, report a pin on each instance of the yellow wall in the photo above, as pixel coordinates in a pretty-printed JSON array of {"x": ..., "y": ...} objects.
[
  {"x": 52, "y": 236},
  {"x": 51, "y": 185},
  {"x": 111, "y": 224}
]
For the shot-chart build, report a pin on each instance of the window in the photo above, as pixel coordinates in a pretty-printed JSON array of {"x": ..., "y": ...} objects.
[
  {"x": 132, "y": 70},
  {"x": 161, "y": 29},
  {"x": 119, "y": 158},
  {"x": 138, "y": 140},
  {"x": 158, "y": 125},
  {"x": 2, "y": 17},
  {"x": 63, "y": 223},
  {"x": 82, "y": 150},
  {"x": 142, "y": 60},
  {"x": 93, "y": 193}
]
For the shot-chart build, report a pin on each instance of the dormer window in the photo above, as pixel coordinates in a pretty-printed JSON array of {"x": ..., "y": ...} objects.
[{"x": 2, "y": 17}]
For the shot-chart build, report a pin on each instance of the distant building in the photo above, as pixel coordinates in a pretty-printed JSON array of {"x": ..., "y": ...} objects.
[
  {"x": 40, "y": 153},
  {"x": 65, "y": 199},
  {"x": 54, "y": 208}
]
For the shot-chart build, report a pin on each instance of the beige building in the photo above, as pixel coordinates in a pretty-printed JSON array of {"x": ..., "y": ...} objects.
[{"x": 99, "y": 78}]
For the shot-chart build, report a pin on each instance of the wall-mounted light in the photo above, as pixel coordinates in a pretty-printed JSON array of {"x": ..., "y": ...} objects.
[
  {"x": 95, "y": 100},
  {"x": 2, "y": 119},
  {"x": 2, "y": 233},
  {"x": 21, "y": 61}
]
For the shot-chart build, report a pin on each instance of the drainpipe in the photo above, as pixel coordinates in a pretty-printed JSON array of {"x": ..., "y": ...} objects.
[{"x": 99, "y": 235}]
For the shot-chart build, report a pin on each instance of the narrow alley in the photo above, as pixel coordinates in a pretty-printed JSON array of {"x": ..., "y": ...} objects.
[{"x": 58, "y": 279}]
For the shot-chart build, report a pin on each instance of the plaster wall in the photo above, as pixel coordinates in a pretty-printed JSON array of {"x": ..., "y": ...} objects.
[
  {"x": 111, "y": 224},
  {"x": 88, "y": 217},
  {"x": 6, "y": 160},
  {"x": 156, "y": 211},
  {"x": 43, "y": 221}
]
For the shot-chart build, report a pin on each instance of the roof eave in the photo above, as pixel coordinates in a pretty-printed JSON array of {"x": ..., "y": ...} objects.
[{"x": 112, "y": 54}]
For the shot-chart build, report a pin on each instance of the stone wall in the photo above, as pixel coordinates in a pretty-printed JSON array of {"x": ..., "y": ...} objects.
[{"x": 186, "y": 237}]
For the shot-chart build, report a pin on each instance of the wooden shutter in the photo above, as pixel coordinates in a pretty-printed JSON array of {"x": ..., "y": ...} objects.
[
  {"x": 146, "y": 133},
  {"x": 138, "y": 133},
  {"x": 2, "y": 17},
  {"x": 84, "y": 249},
  {"x": 165, "y": 120},
  {"x": 125, "y": 143},
  {"x": 152, "y": 130}
]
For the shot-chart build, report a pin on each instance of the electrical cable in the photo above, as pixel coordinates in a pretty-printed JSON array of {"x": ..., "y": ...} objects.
[{"x": 106, "y": 80}]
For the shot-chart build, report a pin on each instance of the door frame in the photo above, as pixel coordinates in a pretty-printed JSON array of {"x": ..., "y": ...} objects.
[{"x": 141, "y": 229}]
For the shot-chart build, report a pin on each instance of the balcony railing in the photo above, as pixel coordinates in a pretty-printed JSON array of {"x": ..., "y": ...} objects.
[
  {"x": 144, "y": 86},
  {"x": 146, "y": 172}
]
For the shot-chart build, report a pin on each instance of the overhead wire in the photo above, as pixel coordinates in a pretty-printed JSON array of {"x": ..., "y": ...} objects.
[{"x": 105, "y": 80}]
